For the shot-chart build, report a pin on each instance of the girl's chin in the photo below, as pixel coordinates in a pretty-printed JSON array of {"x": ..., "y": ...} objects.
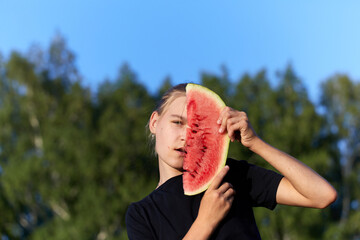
[
  {"x": 175, "y": 163},
  {"x": 179, "y": 166}
]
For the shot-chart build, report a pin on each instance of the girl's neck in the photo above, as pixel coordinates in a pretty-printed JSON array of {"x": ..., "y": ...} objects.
[{"x": 166, "y": 172}]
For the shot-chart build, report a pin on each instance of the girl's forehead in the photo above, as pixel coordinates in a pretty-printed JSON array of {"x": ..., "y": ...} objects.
[{"x": 178, "y": 106}]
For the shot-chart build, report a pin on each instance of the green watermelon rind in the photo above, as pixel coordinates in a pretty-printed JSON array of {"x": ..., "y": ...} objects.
[{"x": 212, "y": 95}]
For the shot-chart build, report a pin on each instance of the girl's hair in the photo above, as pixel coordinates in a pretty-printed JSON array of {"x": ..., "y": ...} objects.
[{"x": 169, "y": 96}]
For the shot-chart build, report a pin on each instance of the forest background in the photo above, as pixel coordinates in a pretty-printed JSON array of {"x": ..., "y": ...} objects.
[
  {"x": 74, "y": 149},
  {"x": 72, "y": 159}
]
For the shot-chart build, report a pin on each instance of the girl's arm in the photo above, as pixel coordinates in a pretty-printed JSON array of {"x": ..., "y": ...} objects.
[{"x": 301, "y": 186}]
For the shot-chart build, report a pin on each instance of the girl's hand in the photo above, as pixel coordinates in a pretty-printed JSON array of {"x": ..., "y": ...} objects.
[
  {"x": 214, "y": 206},
  {"x": 216, "y": 201},
  {"x": 237, "y": 125}
]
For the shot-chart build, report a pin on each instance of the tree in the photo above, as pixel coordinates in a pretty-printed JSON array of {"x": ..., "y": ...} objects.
[
  {"x": 341, "y": 104},
  {"x": 71, "y": 161},
  {"x": 296, "y": 128},
  {"x": 166, "y": 85},
  {"x": 254, "y": 96},
  {"x": 128, "y": 167},
  {"x": 22, "y": 144},
  {"x": 6, "y": 207},
  {"x": 277, "y": 114},
  {"x": 219, "y": 84},
  {"x": 45, "y": 115}
]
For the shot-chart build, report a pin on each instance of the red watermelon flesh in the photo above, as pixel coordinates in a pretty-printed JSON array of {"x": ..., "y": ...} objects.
[{"x": 206, "y": 148}]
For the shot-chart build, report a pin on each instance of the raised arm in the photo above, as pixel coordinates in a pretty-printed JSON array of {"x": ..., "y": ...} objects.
[{"x": 301, "y": 186}]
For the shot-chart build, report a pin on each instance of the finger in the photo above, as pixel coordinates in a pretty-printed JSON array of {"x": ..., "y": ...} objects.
[
  {"x": 241, "y": 121},
  {"x": 219, "y": 177},
  {"x": 230, "y": 193},
  {"x": 219, "y": 121},
  {"x": 232, "y": 126},
  {"x": 225, "y": 115},
  {"x": 230, "y": 200},
  {"x": 224, "y": 187},
  {"x": 234, "y": 129}
]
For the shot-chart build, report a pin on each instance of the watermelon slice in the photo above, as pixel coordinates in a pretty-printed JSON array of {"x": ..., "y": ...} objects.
[{"x": 206, "y": 148}]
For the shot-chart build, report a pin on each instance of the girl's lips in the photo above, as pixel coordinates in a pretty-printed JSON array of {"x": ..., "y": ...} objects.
[{"x": 182, "y": 151}]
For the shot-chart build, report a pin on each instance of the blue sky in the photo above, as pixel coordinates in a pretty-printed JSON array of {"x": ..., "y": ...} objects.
[{"x": 181, "y": 39}]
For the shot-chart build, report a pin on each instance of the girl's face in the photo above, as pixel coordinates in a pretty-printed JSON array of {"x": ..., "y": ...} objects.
[{"x": 170, "y": 132}]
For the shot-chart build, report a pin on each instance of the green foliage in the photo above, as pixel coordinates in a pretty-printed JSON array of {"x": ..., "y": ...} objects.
[
  {"x": 167, "y": 84},
  {"x": 341, "y": 102},
  {"x": 282, "y": 115},
  {"x": 71, "y": 161},
  {"x": 219, "y": 84},
  {"x": 68, "y": 160},
  {"x": 255, "y": 97}
]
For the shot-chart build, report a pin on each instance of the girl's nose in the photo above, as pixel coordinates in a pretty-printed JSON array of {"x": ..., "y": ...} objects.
[{"x": 183, "y": 134}]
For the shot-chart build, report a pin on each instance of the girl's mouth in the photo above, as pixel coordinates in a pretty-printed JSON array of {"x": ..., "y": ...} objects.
[{"x": 181, "y": 150}]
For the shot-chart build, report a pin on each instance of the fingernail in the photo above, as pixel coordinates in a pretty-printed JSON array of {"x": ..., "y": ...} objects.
[
  {"x": 220, "y": 130},
  {"x": 218, "y": 121}
]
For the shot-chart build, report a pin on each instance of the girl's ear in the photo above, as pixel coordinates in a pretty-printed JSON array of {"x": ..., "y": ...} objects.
[{"x": 153, "y": 122}]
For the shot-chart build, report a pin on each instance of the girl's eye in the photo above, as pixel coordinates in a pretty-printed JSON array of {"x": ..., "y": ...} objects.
[{"x": 177, "y": 122}]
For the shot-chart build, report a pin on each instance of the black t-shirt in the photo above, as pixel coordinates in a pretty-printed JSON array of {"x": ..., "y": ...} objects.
[{"x": 167, "y": 213}]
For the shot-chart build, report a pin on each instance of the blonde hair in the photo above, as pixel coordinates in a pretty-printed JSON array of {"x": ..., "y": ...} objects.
[{"x": 169, "y": 96}]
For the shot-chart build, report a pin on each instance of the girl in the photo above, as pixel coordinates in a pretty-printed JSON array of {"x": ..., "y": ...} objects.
[{"x": 224, "y": 211}]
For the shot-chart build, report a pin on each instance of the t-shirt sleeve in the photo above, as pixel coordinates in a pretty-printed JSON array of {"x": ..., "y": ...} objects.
[
  {"x": 264, "y": 185},
  {"x": 261, "y": 183},
  {"x": 136, "y": 224}
]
